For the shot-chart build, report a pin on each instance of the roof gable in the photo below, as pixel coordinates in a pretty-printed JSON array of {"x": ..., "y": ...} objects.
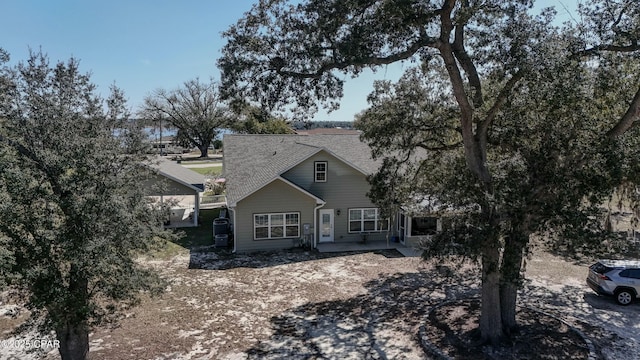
[
  {"x": 252, "y": 161},
  {"x": 279, "y": 178}
]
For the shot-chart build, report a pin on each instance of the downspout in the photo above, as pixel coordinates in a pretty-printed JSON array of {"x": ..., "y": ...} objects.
[
  {"x": 197, "y": 209},
  {"x": 315, "y": 223}
]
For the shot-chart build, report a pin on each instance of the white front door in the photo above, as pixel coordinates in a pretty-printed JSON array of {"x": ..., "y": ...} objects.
[{"x": 326, "y": 225}]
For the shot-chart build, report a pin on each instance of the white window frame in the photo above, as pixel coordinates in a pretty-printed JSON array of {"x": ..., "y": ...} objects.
[
  {"x": 316, "y": 172},
  {"x": 269, "y": 226},
  {"x": 402, "y": 225},
  {"x": 377, "y": 221}
]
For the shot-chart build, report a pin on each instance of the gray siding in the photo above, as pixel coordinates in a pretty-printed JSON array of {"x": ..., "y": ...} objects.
[
  {"x": 168, "y": 187},
  {"x": 344, "y": 189},
  {"x": 277, "y": 197}
]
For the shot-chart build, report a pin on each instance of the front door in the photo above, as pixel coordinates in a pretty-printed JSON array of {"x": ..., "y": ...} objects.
[{"x": 326, "y": 225}]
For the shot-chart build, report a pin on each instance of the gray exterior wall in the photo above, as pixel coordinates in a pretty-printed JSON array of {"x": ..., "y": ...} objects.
[
  {"x": 345, "y": 188},
  {"x": 277, "y": 197},
  {"x": 168, "y": 186}
]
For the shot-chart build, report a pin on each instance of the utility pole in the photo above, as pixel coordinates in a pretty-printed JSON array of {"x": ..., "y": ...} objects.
[{"x": 160, "y": 142}]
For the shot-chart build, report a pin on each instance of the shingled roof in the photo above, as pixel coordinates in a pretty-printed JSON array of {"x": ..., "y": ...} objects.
[
  {"x": 253, "y": 161},
  {"x": 179, "y": 173}
]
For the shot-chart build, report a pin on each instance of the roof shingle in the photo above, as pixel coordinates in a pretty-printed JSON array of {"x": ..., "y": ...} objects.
[
  {"x": 178, "y": 173},
  {"x": 252, "y": 161}
]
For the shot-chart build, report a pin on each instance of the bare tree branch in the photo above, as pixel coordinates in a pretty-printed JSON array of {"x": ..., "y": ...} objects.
[
  {"x": 278, "y": 63},
  {"x": 467, "y": 64},
  {"x": 634, "y": 46},
  {"x": 499, "y": 102},
  {"x": 629, "y": 119}
]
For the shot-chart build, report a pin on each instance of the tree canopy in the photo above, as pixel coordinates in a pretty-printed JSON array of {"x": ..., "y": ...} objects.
[
  {"x": 195, "y": 109},
  {"x": 74, "y": 214},
  {"x": 489, "y": 75},
  {"x": 252, "y": 119}
]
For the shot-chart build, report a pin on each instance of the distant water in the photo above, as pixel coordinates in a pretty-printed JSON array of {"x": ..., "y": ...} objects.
[{"x": 153, "y": 132}]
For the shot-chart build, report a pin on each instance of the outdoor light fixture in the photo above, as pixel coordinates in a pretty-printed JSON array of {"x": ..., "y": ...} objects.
[{"x": 338, "y": 212}]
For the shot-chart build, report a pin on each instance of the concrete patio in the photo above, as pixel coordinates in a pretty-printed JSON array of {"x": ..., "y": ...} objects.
[{"x": 332, "y": 247}]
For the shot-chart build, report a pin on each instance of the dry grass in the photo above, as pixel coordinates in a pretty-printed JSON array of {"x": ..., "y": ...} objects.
[{"x": 297, "y": 304}]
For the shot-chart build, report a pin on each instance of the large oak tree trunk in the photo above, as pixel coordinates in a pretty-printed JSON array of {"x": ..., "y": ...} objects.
[
  {"x": 509, "y": 290},
  {"x": 72, "y": 330},
  {"x": 204, "y": 151},
  {"x": 508, "y": 298},
  {"x": 74, "y": 341},
  {"x": 511, "y": 273},
  {"x": 490, "y": 316}
]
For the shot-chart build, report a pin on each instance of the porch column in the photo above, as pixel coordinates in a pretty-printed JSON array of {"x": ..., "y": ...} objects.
[{"x": 196, "y": 209}]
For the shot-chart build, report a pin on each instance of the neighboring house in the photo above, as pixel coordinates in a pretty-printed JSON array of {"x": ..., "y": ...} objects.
[
  {"x": 179, "y": 189},
  {"x": 163, "y": 142},
  {"x": 167, "y": 145},
  {"x": 284, "y": 188}
]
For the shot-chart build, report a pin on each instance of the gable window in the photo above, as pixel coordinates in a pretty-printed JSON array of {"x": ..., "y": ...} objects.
[
  {"x": 366, "y": 219},
  {"x": 320, "y": 172},
  {"x": 276, "y": 226}
]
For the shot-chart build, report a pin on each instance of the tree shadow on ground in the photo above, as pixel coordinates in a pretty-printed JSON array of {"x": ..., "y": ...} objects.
[
  {"x": 611, "y": 327},
  {"x": 381, "y": 324},
  {"x": 210, "y": 258}
]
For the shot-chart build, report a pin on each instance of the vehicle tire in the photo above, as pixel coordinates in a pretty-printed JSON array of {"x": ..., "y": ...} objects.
[{"x": 624, "y": 296}]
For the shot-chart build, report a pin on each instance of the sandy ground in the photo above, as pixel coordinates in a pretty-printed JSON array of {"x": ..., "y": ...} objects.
[
  {"x": 357, "y": 306},
  {"x": 558, "y": 287}
]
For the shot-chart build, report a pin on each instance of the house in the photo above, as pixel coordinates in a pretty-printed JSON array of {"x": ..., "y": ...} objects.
[
  {"x": 287, "y": 189},
  {"x": 177, "y": 188},
  {"x": 167, "y": 145}
]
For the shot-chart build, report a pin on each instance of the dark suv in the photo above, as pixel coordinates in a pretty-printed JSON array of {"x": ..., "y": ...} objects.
[{"x": 620, "y": 278}]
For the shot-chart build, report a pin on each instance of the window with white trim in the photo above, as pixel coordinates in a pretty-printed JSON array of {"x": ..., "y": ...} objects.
[
  {"x": 366, "y": 219},
  {"x": 276, "y": 226},
  {"x": 320, "y": 171}
]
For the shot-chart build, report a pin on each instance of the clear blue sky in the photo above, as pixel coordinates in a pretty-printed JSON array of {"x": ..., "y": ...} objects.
[{"x": 142, "y": 45}]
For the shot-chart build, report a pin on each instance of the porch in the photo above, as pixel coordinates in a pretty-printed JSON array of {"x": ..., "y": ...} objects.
[{"x": 331, "y": 247}]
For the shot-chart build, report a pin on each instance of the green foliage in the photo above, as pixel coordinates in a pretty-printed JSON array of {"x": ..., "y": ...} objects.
[
  {"x": 201, "y": 235},
  {"x": 271, "y": 126},
  {"x": 552, "y": 164},
  {"x": 195, "y": 109},
  {"x": 255, "y": 120},
  {"x": 282, "y": 52},
  {"x": 307, "y": 125},
  {"x": 73, "y": 211},
  {"x": 516, "y": 125}
]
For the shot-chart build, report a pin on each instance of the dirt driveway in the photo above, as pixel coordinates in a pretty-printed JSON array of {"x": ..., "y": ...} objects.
[{"x": 301, "y": 305}]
